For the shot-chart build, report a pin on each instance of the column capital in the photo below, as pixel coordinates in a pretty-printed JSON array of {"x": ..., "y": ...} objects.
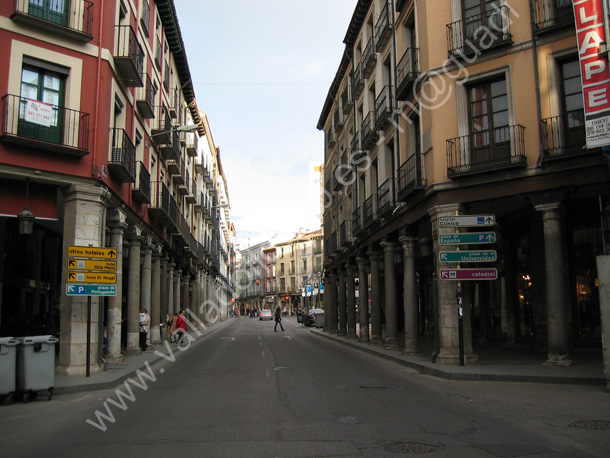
[
  {"x": 134, "y": 234},
  {"x": 373, "y": 254},
  {"x": 446, "y": 210},
  {"x": 362, "y": 262},
  {"x": 551, "y": 210},
  {"x": 388, "y": 246}
]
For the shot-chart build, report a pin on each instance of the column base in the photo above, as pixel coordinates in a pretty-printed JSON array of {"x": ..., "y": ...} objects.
[
  {"x": 78, "y": 370},
  {"x": 453, "y": 358},
  {"x": 132, "y": 351},
  {"x": 114, "y": 359},
  {"x": 411, "y": 352},
  {"x": 351, "y": 336},
  {"x": 376, "y": 340},
  {"x": 391, "y": 343},
  {"x": 364, "y": 339},
  {"x": 555, "y": 359}
]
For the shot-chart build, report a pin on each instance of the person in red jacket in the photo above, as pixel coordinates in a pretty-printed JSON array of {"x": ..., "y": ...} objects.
[{"x": 181, "y": 328}]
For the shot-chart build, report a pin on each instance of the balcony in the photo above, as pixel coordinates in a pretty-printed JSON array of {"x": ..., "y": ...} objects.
[
  {"x": 358, "y": 81},
  {"x": 369, "y": 134},
  {"x": 170, "y": 148},
  {"x": 486, "y": 151},
  {"x": 479, "y": 33},
  {"x": 141, "y": 189},
  {"x": 190, "y": 198},
  {"x": 338, "y": 118},
  {"x": 160, "y": 201},
  {"x": 551, "y": 15},
  {"x": 565, "y": 136},
  {"x": 198, "y": 206},
  {"x": 192, "y": 142},
  {"x": 384, "y": 198},
  {"x": 383, "y": 28},
  {"x": 369, "y": 59},
  {"x": 383, "y": 108},
  {"x": 410, "y": 177},
  {"x": 176, "y": 167},
  {"x": 407, "y": 72},
  {"x": 128, "y": 56},
  {"x": 122, "y": 164},
  {"x": 69, "y": 18},
  {"x": 183, "y": 183},
  {"x": 174, "y": 102},
  {"x": 346, "y": 100},
  {"x": 145, "y": 98},
  {"x": 369, "y": 212},
  {"x": 45, "y": 127},
  {"x": 345, "y": 233},
  {"x": 331, "y": 138},
  {"x": 356, "y": 151}
]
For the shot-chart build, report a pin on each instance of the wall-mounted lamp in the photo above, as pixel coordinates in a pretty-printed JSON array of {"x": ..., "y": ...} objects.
[{"x": 26, "y": 217}]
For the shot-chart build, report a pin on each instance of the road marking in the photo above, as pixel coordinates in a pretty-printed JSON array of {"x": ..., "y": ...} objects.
[{"x": 263, "y": 354}]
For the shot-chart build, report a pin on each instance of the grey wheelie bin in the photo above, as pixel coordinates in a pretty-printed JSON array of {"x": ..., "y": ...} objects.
[
  {"x": 35, "y": 366},
  {"x": 8, "y": 355}
]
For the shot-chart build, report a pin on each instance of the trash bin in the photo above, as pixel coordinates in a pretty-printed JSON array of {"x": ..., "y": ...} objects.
[
  {"x": 35, "y": 366},
  {"x": 320, "y": 320},
  {"x": 7, "y": 368}
]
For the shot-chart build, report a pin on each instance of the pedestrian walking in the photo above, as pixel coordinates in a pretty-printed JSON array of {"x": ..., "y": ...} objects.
[
  {"x": 181, "y": 328},
  {"x": 144, "y": 320},
  {"x": 171, "y": 327},
  {"x": 278, "y": 318}
]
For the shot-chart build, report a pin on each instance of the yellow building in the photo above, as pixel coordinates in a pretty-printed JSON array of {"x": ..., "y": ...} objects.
[{"x": 444, "y": 111}]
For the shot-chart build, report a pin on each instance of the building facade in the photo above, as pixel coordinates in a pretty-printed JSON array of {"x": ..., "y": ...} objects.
[
  {"x": 103, "y": 144},
  {"x": 250, "y": 276},
  {"x": 444, "y": 110}
]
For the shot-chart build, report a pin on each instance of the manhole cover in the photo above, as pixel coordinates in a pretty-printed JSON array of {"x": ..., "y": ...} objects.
[
  {"x": 591, "y": 424},
  {"x": 410, "y": 447}
]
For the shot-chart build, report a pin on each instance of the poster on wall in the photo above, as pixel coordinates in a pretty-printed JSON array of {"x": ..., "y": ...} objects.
[{"x": 591, "y": 34}]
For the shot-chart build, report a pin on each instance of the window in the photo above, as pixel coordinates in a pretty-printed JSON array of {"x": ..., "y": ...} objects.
[
  {"x": 572, "y": 104},
  {"x": 55, "y": 11},
  {"x": 46, "y": 86},
  {"x": 488, "y": 118}
]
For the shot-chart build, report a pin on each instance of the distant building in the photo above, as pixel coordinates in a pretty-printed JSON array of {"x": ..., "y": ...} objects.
[{"x": 250, "y": 278}]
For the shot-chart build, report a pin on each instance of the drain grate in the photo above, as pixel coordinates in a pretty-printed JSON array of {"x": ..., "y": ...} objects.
[
  {"x": 591, "y": 424},
  {"x": 411, "y": 447}
]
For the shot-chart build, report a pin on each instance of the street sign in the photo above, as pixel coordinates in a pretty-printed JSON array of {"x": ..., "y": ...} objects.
[
  {"x": 467, "y": 221},
  {"x": 468, "y": 256},
  {"x": 92, "y": 252},
  {"x": 82, "y": 264},
  {"x": 465, "y": 238},
  {"x": 91, "y": 277},
  {"x": 91, "y": 290},
  {"x": 469, "y": 274}
]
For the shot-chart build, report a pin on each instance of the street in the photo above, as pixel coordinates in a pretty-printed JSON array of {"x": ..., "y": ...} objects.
[{"x": 243, "y": 390}]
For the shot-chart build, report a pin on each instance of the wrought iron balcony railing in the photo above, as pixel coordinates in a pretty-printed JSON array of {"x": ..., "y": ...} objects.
[
  {"x": 43, "y": 126},
  {"x": 145, "y": 98},
  {"x": 357, "y": 80},
  {"x": 383, "y": 108},
  {"x": 141, "y": 189},
  {"x": 383, "y": 27},
  {"x": 564, "y": 136},
  {"x": 487, "y": 150},
  {"x": 129, "y": 56},
  {"x": 384, "y": 198},
  {"x": 410, "y": 177},
  {"x": 552, "y": 14},
  {"x": 407, "y": 72},
  {"x": 71, "y": 18},
  {"x": 346, "y": 99},
  {"x": 345, "y": 232},
  {"x": 369, "y": 58},
  {"x": 369, "y": 134},
  {"x": 369, "y": 212},
  {"x": 122, "y": 162},
  {"x": 479, "y": 33}
]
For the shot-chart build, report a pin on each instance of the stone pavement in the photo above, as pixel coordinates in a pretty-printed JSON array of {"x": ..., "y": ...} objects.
[{"x": 517, "y": 364}]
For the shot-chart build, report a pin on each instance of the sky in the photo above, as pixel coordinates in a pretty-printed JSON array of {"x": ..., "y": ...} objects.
[{"x": 261, "y": 70}]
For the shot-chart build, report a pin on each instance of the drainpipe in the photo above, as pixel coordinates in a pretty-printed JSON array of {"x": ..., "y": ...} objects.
[
  {"x": 97, "y": 89},
  {"x": 536, "y": 80},
  {"x": 396, "y": 154}
]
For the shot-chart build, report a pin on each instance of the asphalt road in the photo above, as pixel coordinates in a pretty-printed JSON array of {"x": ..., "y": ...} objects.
[{"x": 243, "y": 390}]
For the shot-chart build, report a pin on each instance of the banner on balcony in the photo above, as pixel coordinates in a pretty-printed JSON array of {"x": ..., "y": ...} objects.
[
  {"x": 38, "y": 112},
  {"x": 590, "y": 33}
]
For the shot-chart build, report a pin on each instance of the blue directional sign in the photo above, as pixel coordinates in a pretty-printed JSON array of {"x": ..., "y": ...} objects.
[
  {"x": 468, "y": 256},
  {"x": 467, "y": 237},
  {"x": 91, "y": 290}
]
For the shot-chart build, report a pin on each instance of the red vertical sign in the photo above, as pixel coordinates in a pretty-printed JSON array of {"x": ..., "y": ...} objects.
[{"x": 590, "y": 33}]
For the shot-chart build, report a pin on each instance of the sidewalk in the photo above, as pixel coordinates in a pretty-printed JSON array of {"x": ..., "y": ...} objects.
[{"x": 495, "y": 363}]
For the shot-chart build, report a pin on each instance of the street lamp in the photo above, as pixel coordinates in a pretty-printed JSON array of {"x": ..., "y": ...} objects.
[
  {"x": 25, "y": 219},
  {"x": 187, "y": 128}
]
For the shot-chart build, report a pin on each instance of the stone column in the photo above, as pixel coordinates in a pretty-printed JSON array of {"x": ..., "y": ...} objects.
[
  {"x": 410, "y": 297},
  {"x": 342, "y": 303},
  {"x": 146, "y": 281},
  {"x": 184, "y": 295},
  {"x": 351, "y": 302},
  {"x": 177, "y": 303},
  {"x": 391, "y": 307},
  {"x": 334, "y": 305},
  {"x": 447, "y": 326},
  {"x": 327, "y": 303},
  {"x": 155, "y": 300},
  {"x": 117, "y": 224},
  {"x": 192, "y": 287},
  {"x": 363, "y": 292},
  {"x": 84, "y": 225},
  {"x": 603, "y": 273},
  {"x": 557, "y": 305},
  {"x": 375, "y": 297},
  {"x": 163, "y": 289},
  {"x": 133, "y": 292},
  {"x": 170, "y": 289}
]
